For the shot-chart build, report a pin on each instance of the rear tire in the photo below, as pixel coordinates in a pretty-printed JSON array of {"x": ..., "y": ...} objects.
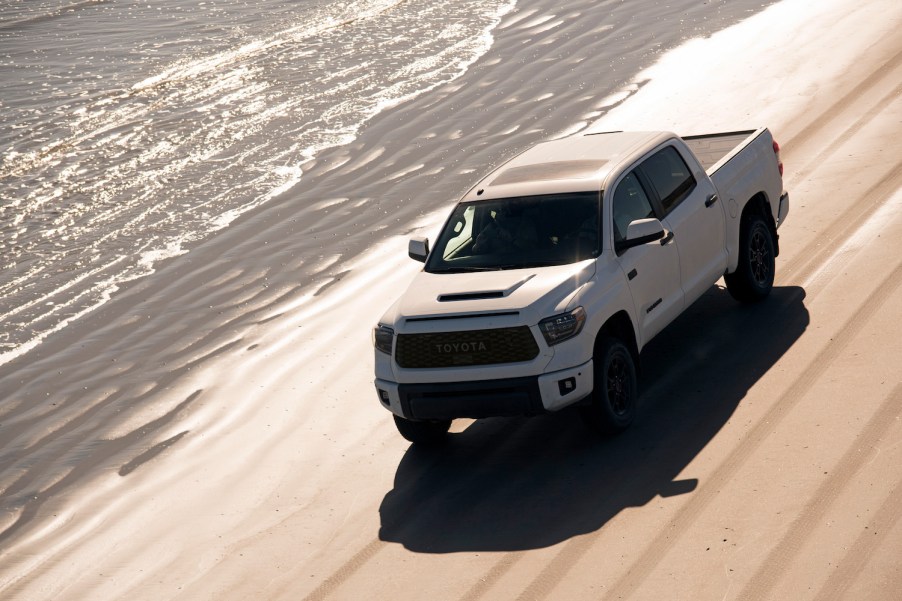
[
  {"x": 613, "y": 405},
  {"x": 426, "y": 433},
  {"x": 754, "y": 276}
]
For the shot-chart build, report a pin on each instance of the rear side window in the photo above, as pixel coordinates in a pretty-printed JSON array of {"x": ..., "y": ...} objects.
[{"x": 670, "y": 177}]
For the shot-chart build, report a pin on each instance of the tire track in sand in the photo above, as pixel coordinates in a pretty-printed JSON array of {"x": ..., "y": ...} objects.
[
  {"x": 350, "y": 567},
  {"x": 810, "y": 166},
  {"x": 851, "y": 219},
  {"x": 484, "y": 584},
  {"x": 658, "y": 547},
  {"x": 859, "y": 91},
  {"x": 858, "y": 454},
  {"x": 345, "y": 571},
  {"x": 853, "y": 563},
  {"x": 842, "y": 228}
]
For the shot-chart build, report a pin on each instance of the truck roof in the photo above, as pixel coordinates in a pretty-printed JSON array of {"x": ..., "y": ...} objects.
[{"x": 573, "y": 164}]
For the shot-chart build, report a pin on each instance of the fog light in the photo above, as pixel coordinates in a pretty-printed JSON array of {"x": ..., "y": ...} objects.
[
  {"x": 566, "y": 386},
  {"x": 383, "y": 397}
]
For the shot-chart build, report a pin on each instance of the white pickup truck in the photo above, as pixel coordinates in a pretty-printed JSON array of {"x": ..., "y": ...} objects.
[{"x": 556, "y": 269}]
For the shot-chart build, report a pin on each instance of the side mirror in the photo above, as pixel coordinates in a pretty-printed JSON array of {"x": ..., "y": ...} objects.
[
  {"x": 418, "y": 249},
  {"x": 641, "y": 231}
]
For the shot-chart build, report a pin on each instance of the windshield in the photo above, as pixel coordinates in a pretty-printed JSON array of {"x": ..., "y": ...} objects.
[{"x": 519, "y": 232}]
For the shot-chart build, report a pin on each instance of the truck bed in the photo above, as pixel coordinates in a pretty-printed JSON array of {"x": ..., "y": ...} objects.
[
  {"x": 711, "y": 148},
  {"x": 738, "y": 163}
]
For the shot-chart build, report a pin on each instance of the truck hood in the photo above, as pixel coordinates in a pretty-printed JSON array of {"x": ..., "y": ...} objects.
[{"x": 535, "y": 293}]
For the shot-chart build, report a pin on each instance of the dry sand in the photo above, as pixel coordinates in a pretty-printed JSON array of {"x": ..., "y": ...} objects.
[{"x": 213, "y": 433}]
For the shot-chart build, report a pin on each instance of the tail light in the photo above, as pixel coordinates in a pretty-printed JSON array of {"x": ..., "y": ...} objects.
[{"x": 777, "y": 153}]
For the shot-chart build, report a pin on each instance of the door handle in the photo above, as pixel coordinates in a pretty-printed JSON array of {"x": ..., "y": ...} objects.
[
  {"x": 667, "y": 238},
  {"x": 711, "y": 200}
]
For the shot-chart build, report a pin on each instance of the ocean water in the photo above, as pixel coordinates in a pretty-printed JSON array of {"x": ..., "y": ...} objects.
[{"x": 131, "y": 129}]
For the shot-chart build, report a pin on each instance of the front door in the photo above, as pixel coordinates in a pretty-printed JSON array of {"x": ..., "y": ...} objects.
[{"x": 652, "y": 270}]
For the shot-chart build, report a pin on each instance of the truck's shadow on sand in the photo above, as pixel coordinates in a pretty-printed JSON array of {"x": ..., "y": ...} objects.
[{"x": 514, "y": 484}]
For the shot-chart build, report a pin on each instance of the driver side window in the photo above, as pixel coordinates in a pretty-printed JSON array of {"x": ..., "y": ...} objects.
[{"x": 630, "y": 203}]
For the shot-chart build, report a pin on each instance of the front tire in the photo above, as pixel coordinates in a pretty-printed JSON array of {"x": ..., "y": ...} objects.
[
  {"x": 754, "y": 276},
  {"x": 426, "y": 433},
  {"x": 613, "y": 405}
]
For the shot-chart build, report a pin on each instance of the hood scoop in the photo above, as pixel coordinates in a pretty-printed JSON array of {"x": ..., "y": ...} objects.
[
  {"x": 484, "y": 294},
  {"x": 464, "y": 296}
]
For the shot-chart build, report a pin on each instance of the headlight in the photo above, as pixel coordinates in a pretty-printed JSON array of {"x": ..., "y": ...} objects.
[
  {"x": 559, "y": 328},
  {"x": 383, "y": 337}
]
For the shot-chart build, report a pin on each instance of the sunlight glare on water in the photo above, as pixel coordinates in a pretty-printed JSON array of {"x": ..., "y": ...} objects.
[{"x": 135, "y": 130}]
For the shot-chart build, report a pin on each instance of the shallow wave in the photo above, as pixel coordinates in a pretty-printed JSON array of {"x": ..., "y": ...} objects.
[
  {"x": 10, "y": 19},
  {"x": 140, "y": 170}
]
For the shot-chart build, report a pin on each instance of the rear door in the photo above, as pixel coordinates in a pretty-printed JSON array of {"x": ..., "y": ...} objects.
[
  {"x": 652, "y": 270},
  {"x": 689, "y": 207}
]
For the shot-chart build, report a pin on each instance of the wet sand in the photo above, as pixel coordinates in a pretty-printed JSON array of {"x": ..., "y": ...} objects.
[{"x": 212, "y": 432}]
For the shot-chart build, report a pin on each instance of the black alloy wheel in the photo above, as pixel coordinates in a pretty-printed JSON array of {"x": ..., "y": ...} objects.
[
  {"x": 612, "y": 407},
  {"x": 619, "y": 386},
  {"x": 754, "y": 276},
  {"x": 760, "y": 259}
]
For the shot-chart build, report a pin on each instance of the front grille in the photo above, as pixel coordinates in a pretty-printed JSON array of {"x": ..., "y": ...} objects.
[{"x": 476, "y": 347}]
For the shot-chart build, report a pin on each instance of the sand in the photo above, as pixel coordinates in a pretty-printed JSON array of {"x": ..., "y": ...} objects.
[{"x": 212, "y": 432}]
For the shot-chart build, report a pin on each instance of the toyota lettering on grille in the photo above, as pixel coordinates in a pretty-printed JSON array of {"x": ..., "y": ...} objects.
[
  {"x": 460, "y": 347},
  {"x": 452, "y": 349}
]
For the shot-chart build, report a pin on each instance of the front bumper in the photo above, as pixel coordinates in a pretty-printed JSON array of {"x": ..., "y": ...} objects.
[{"x": 530, "y": 395}]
